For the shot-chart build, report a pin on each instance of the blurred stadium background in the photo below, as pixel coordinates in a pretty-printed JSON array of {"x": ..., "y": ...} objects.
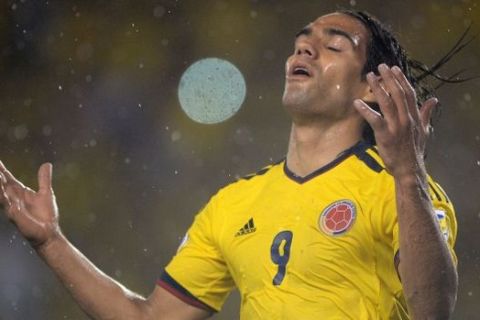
[{"x": 92, "y": 87}]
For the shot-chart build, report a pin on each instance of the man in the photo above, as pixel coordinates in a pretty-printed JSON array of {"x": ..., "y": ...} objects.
[{"x": 339, "y": 230}]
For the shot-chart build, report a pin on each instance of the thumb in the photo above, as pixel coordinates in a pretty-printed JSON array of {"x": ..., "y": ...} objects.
[
  {"x": 45, "y": 178},
  {"x": 426, "y": 111}
]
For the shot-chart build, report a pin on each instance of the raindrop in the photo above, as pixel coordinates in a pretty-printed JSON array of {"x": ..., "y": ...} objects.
[
  {"x": 158, "y": 11},
  {"x": 176, "y": 135},
  {"x": 47, "y": 130},
  {"x": 20, "y": 132},
  {"x": 27, "y": 102}
]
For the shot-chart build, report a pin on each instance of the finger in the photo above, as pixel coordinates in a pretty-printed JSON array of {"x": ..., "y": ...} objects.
[
  {"x": 384, "y": 100},
  {"x": 374, "y": 119},
  {"x": 10, "y": 178},
  {"x": 45, "y": 178},
  {"x": 3, "y": 195},
  {"x": 426, "y": 111},
  {"x": 392, "y": 86},
  {"x": 11, "y": 192},
  {"x": 410, "y": 94}
]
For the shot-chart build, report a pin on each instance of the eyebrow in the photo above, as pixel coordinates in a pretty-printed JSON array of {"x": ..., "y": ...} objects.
[
  {"x": 305, "y": 32},
  {"x": 339, "y": 32},
  {"x": 331, "y": 32}
]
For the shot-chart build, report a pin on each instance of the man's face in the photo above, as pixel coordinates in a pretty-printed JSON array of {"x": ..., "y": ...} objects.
[{"x": 323, "y": 75}]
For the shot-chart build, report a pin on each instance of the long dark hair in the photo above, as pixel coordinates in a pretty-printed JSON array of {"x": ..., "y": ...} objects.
[{"x": 384, "y": 47}]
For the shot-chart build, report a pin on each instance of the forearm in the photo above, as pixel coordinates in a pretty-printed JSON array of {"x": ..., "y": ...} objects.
[
  {"x": 426, "y": 268},
  {"x": 97, "y": 294}
]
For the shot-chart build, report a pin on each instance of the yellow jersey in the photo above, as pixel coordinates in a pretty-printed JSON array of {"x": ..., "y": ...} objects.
[{"x": 317, "y": 247}]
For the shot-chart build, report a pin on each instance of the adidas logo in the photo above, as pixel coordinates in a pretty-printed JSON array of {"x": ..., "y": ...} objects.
[{"x": 249, "y": 227}]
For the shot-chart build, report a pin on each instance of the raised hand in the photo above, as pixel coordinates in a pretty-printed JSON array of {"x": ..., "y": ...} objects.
[
  {"x": 401, "y": 133},
  {"x": 34, "y": 213}
]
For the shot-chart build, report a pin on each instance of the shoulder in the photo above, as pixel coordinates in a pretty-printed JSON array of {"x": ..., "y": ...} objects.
[
  {"x": 236, "y": 196},
  {"x": 249, "y": 184}
]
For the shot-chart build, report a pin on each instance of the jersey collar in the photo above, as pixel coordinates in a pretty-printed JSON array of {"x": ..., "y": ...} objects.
[{"x": 355, "y": 149}]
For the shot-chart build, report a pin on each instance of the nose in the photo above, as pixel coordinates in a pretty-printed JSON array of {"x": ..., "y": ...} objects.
[{"x": 304, "y": 48}]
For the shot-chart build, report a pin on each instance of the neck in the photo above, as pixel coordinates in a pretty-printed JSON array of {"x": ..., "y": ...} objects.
[{"x": 315, "y": 144}]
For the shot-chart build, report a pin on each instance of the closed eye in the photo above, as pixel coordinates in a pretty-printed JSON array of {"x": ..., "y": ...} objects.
[{"x": 334, "y": 49}]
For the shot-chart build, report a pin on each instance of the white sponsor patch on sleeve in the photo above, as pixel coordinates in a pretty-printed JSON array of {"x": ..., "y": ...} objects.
[
  {"x": 183, "y": 242},
  {"x": 441, "y": 216}
]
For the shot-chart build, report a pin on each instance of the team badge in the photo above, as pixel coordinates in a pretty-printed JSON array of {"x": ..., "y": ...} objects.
[{"x": 337, "y": 218}]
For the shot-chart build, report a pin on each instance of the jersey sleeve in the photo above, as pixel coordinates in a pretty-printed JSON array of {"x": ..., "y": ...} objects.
[
  {"x": 384, "y": 215},
  {"x": 445, "y": 214},
  {"x": 198, "y": 274}
]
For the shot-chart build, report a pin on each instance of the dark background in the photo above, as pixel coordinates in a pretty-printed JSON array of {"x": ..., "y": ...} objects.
[{"x": 92, "y": 87}]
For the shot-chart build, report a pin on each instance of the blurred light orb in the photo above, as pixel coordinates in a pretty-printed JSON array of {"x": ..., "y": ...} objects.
[{"x": 211, "y": 90}]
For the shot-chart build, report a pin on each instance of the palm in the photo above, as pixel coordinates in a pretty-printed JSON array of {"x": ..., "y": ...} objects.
[
  {"x": 401, "y": 130},
  {"x": 34, "y": 213}
]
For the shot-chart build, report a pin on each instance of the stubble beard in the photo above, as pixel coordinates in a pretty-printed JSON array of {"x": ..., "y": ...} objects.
[{"x": 296, "y": 98}]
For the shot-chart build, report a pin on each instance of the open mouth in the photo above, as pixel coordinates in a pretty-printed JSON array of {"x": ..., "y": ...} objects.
[{"x": 301, "y": 71}]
